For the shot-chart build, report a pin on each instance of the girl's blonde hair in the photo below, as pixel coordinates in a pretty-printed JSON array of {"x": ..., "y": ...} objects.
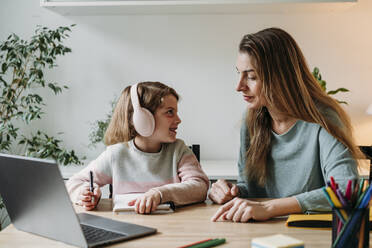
[
  {"x": 150, "y": 95},
  {"x": 288, "y": 87}
]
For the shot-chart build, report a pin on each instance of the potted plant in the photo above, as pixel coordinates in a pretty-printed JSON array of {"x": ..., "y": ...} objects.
[
  {"x": 22, "y": 66},
  {"x": 4, "y": 218},
  {"x": 323, "y": 84},
  {"x": 97, "y": 134}
]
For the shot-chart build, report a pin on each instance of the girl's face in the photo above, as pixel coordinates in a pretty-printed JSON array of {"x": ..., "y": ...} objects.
[
  {"x": 166, "y": 120},
  {"x": 249, "y": 83}
]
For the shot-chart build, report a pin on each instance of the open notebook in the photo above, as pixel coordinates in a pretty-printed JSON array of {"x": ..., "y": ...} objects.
[{"x": 121, "y": 204}]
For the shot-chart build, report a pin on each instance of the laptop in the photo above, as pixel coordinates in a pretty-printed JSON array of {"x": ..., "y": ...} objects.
[{"x": 37, "y": 202}]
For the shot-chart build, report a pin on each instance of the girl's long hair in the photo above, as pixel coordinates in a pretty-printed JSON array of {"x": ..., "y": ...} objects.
[
  {"x": 150, "y": 95},
  {"x": 289, "y": 88}
]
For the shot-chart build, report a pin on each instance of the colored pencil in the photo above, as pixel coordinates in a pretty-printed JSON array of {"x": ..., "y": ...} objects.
[
  {"x": 199, "y": 242},
  {"x": 210, "y": 243}
]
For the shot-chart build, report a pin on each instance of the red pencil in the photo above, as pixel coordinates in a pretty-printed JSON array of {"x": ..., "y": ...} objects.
[
  {"x": 199, "y": 242},
  {"x": 334, "y": 185},
  {"x": 348, "y": 190}
]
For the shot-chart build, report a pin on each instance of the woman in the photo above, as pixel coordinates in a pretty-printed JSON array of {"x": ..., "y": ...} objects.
[{"x": 294, "y": 137}]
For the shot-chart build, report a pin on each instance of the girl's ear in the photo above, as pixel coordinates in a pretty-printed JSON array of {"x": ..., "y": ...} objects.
[{"x": 143, "y": 120}]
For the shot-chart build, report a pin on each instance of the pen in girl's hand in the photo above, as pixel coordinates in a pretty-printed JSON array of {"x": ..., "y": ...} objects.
[{"x": 91, "y": 184}]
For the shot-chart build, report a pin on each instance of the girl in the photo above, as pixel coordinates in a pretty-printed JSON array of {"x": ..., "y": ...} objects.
[{"x": 143, "y": 154}]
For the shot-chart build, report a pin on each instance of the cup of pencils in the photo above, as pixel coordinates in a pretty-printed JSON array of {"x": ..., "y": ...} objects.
[{"x": 350, "y": 213}]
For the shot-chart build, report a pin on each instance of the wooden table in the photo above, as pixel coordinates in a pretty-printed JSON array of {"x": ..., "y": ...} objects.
[{"x": 187, "y": 225}]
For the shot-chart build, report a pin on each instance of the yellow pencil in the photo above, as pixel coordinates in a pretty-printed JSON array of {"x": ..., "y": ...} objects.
[
  {"x": 365, "y": 185},
  {"x": 336, "y": 202}
]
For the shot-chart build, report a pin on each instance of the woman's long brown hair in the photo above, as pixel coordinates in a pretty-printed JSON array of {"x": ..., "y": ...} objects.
[{"x": 290, "y": 89}]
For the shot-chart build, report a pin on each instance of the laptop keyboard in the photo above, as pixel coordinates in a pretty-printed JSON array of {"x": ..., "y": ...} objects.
[{"x": 94, "y": 234}]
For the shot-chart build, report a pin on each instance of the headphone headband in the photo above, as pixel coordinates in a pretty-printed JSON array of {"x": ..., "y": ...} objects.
[
  {"x": 134, "y": 96},
  {"x": 143, "y": 120}
]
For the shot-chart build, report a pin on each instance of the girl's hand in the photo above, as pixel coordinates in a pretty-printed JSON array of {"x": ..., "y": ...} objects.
[
  {"x": 147, "y": 203},
  {"x": 223, "y": 191},
  {"x": 88, "y": 199},
  {"x": 242, "y": 210}
]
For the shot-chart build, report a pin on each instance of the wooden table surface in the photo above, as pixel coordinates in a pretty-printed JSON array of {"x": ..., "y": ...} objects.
[{"x": 187, "y": 225}]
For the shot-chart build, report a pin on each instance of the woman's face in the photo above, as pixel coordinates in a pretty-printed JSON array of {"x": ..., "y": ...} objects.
[
  {"x": 249, "y": 83},
  {"x": 166, "y": 120}
]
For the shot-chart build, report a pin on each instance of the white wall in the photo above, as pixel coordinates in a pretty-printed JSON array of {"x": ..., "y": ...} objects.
[{"x": 196, "y": 55}]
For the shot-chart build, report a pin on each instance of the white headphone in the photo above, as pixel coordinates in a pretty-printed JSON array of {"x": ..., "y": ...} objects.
[{"x": 143, "y": 120}]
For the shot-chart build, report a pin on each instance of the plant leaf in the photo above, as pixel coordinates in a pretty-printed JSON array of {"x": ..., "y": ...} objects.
[
  {"x": 22, "y": 70},
  {"x": 332, "y": 92}
]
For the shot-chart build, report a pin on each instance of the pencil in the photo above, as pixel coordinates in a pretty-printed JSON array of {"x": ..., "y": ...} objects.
[
  {"x": 210, "y": 243},
  {"x": 365, "y": 185},
  {"x": 360, "y": 190},
  {"x": 341, "y": 198},
  {"x": 361, "y": 233},
  {"x": 339, "y": 227},
  {"x": 354, "y": 218},
  {"x": 91, "y": 186},
  {"x": 336, "y": 202},
  {"x": 337, "y": 210},
  {"x": 348, "y": 190},
  {"x": 199, "y": 242},
  {"x": 333, "y": 184},
  {"x": 354, "y": 196}
]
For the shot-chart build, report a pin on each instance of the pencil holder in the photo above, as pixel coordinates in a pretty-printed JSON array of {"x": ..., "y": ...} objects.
[{"x": 350, "y": 227}]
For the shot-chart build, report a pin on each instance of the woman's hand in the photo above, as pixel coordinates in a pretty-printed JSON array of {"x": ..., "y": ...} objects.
[
  {"x": 223, "y": 191},
  {"x": 147, "y": 203},
  {"x": 88, "y": 199},
  {"x": 242, "y": 210}
]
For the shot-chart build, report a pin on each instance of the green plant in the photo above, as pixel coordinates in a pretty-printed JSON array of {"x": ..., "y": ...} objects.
[
  {"x": 99, "y": 127},
  {"x": 1, "y": 207},
  {"x": 323, "y": 84},
  {"x": 21, "y": 76},
  {"x": 4, "y": 217}
]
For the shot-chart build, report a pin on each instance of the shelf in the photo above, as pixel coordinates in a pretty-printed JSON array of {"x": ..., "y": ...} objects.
[
  {"x": 119, "y": 7},
  {"x": 220, "y": 169}
]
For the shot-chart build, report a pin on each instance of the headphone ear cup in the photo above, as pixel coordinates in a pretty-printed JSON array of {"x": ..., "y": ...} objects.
[{"x": 143, "y": 122}]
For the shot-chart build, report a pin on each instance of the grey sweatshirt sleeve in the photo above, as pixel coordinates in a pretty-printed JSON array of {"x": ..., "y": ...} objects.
[{"x": 335, "y": 160}]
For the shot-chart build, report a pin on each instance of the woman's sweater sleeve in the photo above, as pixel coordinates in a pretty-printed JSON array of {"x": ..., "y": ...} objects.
[
  {"x": 335, "y": 161},
  {"x": 101, "y": 168},
  {"x": 193, "y": 186}
]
